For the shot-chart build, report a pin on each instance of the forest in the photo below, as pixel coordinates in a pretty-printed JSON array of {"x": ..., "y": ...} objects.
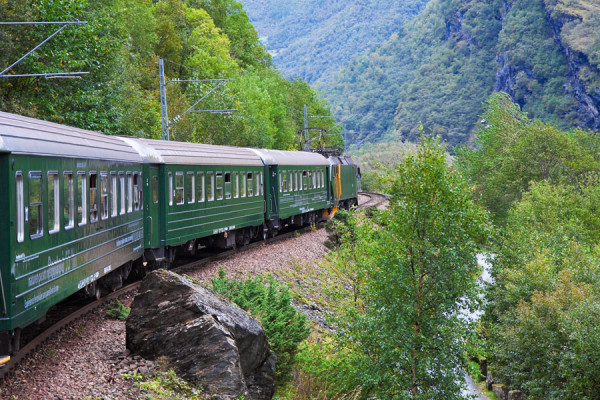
[
  {"x": 120, "y": 47},
  {"x": 438, "y": 69},
  {"x": 312, "y": 40},
  {"x": 526, "y": 197}
]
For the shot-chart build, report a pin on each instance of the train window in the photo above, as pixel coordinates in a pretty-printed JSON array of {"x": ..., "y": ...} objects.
[
  {"x": 155, "y": 189},
  {"x": 93, "y": 197},
  {"x": 304, "y": 180},
  {"x": 103, "y": 195},
  {"x": 227, "y": 185},
  {"x": 53, "y": 203},
  {"x": 291, "y": 180},
  {"x": 129, "y": 192},
  {"x": 296, "y": 187},
  {"x": 137, "y": 190},
  {"x": 283, "y": 182},
  {"x": 314, "y": 179},
  {"x": 236, "y": 185},
  {"x": 318, "y": 176},
  {"x": 114, "y": 195},
  {"x": 249, "y": 184},
  {"x": 322, "y": 179},
  {"x": 68, "y": 201},
  {"x": 243, "y": 186},
  {"x": 20, "y": 208},
  {"x": 280, "y": 183},
  {"x": 219, "y": 186},
  {"x": 262, "y": 184},
  {"x": 200, "y": 187},
  {"x": 82, "y": 194},
  {"x": 256, "y": 184},
  {"x": 190, "y": 190},
  {"x": 122, "y": 192},
  {"x": 170, "y": 188},
  {"x": 179, "y": 188},
  {"x": 210, "y": 186},
  {"x": 36, "y": 223}
]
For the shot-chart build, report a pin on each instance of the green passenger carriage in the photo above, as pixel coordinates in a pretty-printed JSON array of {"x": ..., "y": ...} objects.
[
  {"x": 71, "y": 214},
  {"x": 199, "y": 194},
  {"x": 298, "y": 187}
]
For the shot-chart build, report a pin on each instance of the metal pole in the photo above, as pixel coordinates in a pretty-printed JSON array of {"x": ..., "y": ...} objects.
[
  {"x": 45, "y": 23},
  {"x": 306, "y": 143},
  {"x": 163, "y": 101},
  {"x": 34, "y": 49}
]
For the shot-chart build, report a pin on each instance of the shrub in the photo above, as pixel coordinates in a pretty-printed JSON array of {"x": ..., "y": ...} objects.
[
  {"x": 117, "y": 310},
  {"x": 270, "y": 303}
]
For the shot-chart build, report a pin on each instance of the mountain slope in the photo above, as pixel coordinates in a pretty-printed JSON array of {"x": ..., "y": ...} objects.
[
  {"x": 312, "y": 39},
  {"x": 444, "y": 64}
]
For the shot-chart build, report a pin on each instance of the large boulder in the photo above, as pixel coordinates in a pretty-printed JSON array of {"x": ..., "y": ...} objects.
[{"x": 207, "y": 339}]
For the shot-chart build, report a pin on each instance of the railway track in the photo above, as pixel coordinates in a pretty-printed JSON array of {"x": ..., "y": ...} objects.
[
  {"x": 374, "y": 200},
  {"x": 187, "y": 265}
]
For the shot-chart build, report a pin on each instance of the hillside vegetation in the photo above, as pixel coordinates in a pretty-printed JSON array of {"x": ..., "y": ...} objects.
[
  {"x": 313, "y": 39},
  {"x": 541, "y": 186},
  {"x": 120, "y": 48},
  {"x": 440, "y": 68}
]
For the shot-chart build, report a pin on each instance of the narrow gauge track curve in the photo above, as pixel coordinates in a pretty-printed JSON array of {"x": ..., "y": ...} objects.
[
  {"x": 43, "y": 336},
  {"x": 374, "y": 200}
]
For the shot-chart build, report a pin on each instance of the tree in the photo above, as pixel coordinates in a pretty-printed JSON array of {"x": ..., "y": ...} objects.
[
  {"x": 419, "y": 266},
  {"x": 513, "y": 151}
]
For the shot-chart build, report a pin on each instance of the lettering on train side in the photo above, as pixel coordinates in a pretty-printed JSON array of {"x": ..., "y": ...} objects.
[
  {"x": 41, "y": 296},
  {"x": 224, "y": 229},
  {"x": 86, "y": 281}
]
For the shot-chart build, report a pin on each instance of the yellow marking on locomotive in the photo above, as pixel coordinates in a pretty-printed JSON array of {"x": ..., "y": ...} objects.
[
  {"x": 4, "y": 359},
  {"x": 327, "y": 215},
  {"x": 338, "y": 182}
]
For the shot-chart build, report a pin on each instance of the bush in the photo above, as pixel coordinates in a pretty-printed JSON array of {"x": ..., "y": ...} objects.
[
  {"x": 117, "y": 310},
  {"x": 336, "y": 228},
  {"x": 270, "y": 303}
]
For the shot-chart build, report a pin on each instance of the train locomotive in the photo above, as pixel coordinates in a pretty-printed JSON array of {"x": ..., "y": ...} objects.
[{"x": 81, "y": 210}]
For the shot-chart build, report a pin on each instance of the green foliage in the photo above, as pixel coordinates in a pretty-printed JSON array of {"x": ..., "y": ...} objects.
[
  {"x": 117, "y": 310},
  {"x": 543, "y": 186},
  {"x": 270, "y": 303},
  {"x": 166, "y": 386},
  {"x": 313, "y": 39},
  {"x": 340, "y": 227},
  {"x": 439, "y": 69},
  {"x": 417, "y": 266},
  {"x": 513, "y": 151},
  {"x": 120, "y": 47}
]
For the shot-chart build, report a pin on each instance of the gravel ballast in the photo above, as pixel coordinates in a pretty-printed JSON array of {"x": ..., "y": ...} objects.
[{"x": 86, "y": 360}]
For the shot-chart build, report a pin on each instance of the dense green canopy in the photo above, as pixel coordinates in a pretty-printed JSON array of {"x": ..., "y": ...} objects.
[{"x": 120, "y": 48}]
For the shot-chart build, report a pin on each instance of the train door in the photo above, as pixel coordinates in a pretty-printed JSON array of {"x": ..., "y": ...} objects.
[
  {"x": 152, "y": 208},
  {"x": 272, "y": 198}
]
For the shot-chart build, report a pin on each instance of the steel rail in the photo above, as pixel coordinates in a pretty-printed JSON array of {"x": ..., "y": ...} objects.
[
  {"x": 374, "y": 200},
  {"x": 36, "y": 342}
]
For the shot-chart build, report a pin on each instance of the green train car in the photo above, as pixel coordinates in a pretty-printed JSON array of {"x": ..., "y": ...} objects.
[
  {"x": 299, "y": 189},
  {"x": 199, "y": 194},
  {"x": 71, "y": 213}
]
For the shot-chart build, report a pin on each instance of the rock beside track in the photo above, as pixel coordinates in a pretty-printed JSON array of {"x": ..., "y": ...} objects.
[{"x": 206, "y": 339}]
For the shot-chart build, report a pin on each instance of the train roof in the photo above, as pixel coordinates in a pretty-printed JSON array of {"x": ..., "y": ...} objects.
[
  {"x": 171, "y": 152},
  {"x": 290, "y": 158},
  {"x": 25, "y": 135},
  {"x": 342, "y": 160}
]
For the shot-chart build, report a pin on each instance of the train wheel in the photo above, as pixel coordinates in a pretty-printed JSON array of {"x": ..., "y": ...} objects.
[{"x": 15, "y": 342}]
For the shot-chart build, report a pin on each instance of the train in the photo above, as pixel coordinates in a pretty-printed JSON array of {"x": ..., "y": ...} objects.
[{"x": 82, "y": 210}]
